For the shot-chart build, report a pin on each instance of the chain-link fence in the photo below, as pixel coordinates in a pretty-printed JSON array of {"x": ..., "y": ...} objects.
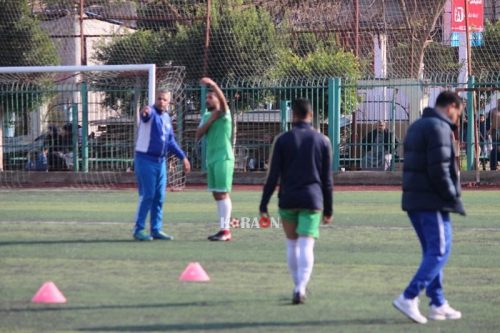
[
  {"x": 391, "y": 59},
  {"x": 80, "y": 123}
]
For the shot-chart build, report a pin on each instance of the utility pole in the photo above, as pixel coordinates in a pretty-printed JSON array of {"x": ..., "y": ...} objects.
[
  {"x": 356, "y": 28},
  {"x": 83, "y": 55},
  {"x": 207, "y": 38}
]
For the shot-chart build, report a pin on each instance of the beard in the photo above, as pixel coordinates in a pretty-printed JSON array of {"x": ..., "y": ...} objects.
[{"x": 210, "y": 108}]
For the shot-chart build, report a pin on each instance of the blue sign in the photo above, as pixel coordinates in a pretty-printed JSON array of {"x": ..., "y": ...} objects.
[{"x": 476, "y": 39}]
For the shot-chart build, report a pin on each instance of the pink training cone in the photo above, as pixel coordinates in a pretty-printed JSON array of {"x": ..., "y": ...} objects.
[
  {"x": 194, "y": 273},
  {"x": 48, "y": 293}
]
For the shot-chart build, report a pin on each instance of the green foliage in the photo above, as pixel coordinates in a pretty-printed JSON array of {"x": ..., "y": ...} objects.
[
  {"x": 326, "y": 60},
  {"x": 253, "y": 39},
  {"x": 319, "y": 63},
  {"x": 250, "y": 32},
  {"x": 123, "y": 49},
  {"x": 24, "y": 44},
  {"x": 485, "y": 58}
]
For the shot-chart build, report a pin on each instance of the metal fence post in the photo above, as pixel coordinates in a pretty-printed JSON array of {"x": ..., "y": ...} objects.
[
  {"x": 470, "y": 123},
  {"x": 284, "y": 115},
  {"x": 74, "y": 116},
  {"x": 393, "y": 130},
  {"x": 203, "y": 108},
  {"x": 180, "y": 129},
  {"x": 85, "y": 126},
  {"x": 334, "y": 102}
]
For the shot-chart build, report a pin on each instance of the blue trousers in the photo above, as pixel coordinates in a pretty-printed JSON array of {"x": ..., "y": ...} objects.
[
  {"x": 435, "y": 234},
  {"x": 151, "y": 181}
]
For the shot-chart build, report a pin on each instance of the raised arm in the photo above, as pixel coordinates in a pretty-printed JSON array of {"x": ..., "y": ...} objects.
[{"x": 217, "y": 90}]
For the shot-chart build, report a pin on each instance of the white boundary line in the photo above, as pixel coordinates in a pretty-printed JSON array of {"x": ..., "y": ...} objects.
[{"x": 456, "y": 229}]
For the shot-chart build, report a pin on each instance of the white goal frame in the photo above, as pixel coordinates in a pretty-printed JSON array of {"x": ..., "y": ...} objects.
[{"x": 150, "y": 68}]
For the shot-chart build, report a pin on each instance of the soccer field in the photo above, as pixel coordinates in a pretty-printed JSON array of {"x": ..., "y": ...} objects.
[{"x": 82, "y": 241}]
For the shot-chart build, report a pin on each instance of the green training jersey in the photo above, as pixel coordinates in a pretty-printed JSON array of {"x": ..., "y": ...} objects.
[{"x": 218, "y": 136}]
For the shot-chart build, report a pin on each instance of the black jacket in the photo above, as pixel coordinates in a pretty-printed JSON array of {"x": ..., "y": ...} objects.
[
  {"x": 371, "y": 138},
  {"x": 302, "y": 161},
  {"x": 430, "y": 173}
]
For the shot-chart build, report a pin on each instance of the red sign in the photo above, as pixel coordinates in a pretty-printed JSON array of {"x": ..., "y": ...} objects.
[{"x": 475, "y": 15}]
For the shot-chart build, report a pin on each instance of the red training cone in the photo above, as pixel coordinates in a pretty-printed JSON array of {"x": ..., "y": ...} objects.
[
  {"x": 48, "y": 293},
  {"x": 194, "y": 273}
]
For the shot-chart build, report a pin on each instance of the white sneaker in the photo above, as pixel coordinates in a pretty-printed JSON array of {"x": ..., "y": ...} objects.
[
  {"x": 409, "y": 307},
  {"x": 444, "y": 312}
]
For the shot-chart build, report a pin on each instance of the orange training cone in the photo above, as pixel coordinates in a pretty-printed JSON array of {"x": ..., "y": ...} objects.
[
  {"x": 48, "y": 293},
  {"x": 194, "y": 273}
]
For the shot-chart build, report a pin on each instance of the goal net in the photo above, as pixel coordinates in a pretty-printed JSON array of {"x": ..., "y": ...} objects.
[{"x": 76, "y": 126}]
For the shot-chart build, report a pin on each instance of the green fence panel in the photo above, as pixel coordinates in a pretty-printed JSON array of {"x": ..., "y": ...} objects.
[{"x": 470, "y": 144}]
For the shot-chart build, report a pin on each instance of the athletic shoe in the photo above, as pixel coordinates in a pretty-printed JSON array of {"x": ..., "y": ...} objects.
[
  {"x": 161, "y": 235},
  {"x": 298, "y": 298},
  {"x": 222, "y": 235},
  {"x": 409, "y": 307},
  {"x": 142, "y": 235},
  {"x": 444, "y": 312}
]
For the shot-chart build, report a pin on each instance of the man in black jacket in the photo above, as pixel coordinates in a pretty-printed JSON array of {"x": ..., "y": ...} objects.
[
  {"x": 378, "y": 148},
  {"x": 431, "y": 191},
  {"x": 302, "y": 161}
]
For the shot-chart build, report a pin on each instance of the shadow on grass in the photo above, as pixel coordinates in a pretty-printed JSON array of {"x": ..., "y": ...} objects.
[
  {"x": 46, "y": 308},
  {"x": 67, "y": 241},
  {"x": 220, "y": 326}
]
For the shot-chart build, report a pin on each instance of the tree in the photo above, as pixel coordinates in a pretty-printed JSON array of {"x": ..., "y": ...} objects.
[
  {"x": 325, "y": 61},
  {"x": 23, "y": 41},
  {"x": 420, "y": 20},
  {"x": 23, "y": 44},
  {"x": 243, "y": 42}
]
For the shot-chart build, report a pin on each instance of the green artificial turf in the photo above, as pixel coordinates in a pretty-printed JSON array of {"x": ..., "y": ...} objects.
[{"x": 81, "y": 240}]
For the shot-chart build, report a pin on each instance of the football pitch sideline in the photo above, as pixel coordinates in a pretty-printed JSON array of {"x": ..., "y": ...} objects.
[{"x": 82, "y": 241}]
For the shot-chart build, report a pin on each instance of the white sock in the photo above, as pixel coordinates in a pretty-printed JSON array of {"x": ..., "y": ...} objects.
[
  {"x": 291, "y": 258},
  {"x": 224, "y": 208},
  {"x": 305, "y": 262}
]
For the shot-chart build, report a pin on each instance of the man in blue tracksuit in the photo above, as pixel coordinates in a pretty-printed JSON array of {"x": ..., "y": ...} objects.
[
  {"x": 154, "y": 141},
  {"x": 431, "y": 191}
]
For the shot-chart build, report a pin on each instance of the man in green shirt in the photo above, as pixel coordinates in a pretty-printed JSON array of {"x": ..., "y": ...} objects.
[{"x": 216, "y": 126}]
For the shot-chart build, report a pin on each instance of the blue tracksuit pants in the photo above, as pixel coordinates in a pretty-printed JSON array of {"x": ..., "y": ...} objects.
[
  {"x": 151, "y": 181},
  {"x": 435, "y": 234}
]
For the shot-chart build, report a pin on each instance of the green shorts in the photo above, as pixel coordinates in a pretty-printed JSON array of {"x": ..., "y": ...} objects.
[
  {"x": 307, "y": 220},
  {"x": 220, "y": 176}
]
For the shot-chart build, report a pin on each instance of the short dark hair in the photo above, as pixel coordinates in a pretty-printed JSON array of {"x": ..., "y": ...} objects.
[
  {"x": 301, "y": 107},
  {"x": 447, "y": 98}
]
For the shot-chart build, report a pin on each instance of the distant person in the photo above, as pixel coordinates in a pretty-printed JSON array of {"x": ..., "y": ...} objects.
[
  {"x": 495, "y": 136},
  {"x": 431, "y": 191},
  {"x": 217, "y": 127},
  {"x": 377, "y": 145},
  {"x": 37, "y": 161},
  {"x": 301, "y": 160},
  {"x": 484, "y": 140},
  {"x": 155, "y": 139},
  {"x": 53, "y": 141}
]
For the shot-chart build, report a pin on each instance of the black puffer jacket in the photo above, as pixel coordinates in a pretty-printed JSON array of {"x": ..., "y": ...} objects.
[{"x": 430, "y": 173}]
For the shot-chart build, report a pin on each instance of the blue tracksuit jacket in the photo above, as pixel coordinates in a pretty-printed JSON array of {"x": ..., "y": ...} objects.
[{"x": 156, "y": 137}]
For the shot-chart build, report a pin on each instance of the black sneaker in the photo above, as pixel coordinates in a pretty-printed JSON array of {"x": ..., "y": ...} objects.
[
  {"x": 222, "y": 235},
  {"x": 298, "y": 298}
]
